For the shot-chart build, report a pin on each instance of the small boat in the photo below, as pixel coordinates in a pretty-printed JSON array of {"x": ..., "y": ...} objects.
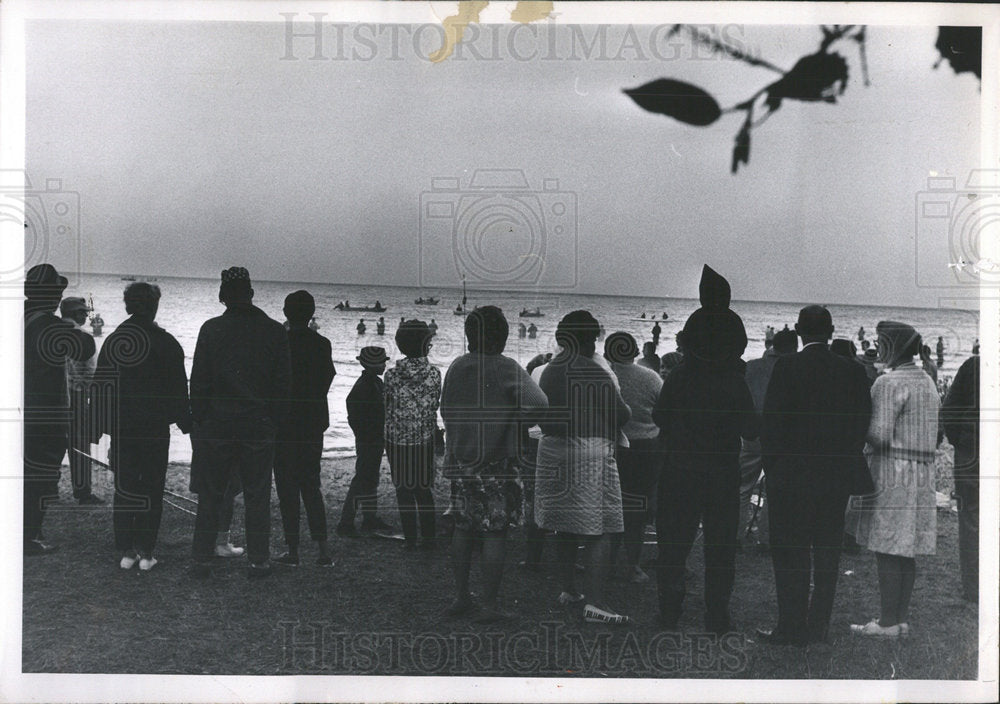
[
  {"x": 536, "y": 313},
  {"x": 128, "y": 278},
  {"x": 430, "y": 301},
  {"x": 346, "y": 306}
]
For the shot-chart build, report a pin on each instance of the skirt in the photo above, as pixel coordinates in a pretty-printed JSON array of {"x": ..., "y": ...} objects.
[
  {"x": 900, "y": 518},
  {"x": 577, "y": 489}
]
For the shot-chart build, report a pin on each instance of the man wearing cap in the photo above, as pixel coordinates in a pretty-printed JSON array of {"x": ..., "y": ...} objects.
[
  {"x": 366, "y": 416},
  {"x": 239, "y": 390},
  {"x": 299, "y": 449},
  {"x": 143, "y": 391},
  {"x": 48, "y": 343},
  {"x": 816, "y": 414},
  {"x": 78, "y": 379}
]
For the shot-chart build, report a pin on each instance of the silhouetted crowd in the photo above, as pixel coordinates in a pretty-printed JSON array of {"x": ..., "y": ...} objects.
[{"x": 581, "y": 448}]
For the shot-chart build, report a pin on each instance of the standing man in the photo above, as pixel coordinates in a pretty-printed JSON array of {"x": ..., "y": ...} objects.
[
  {"x": 299, "y": 450},
  {"x": 48, "y": 343},
  {"x": 940, "y": 351},
  {"x": 656, "y": 335},
  {"x": 146, "y": 392},
  {"x": 816, "y": 415},
  {"x": 78, "y": 378},
  {"x": 239, "y": 386},
  {"x": 366, "y": 416}
]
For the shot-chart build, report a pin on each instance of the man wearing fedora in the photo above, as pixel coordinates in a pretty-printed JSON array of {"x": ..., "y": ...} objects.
[
  {"x": 239, "y": 392},
  {"x": 816, "y": 414},
  {"x": 79, "y": 376},
  {"x": 366, "y": 416},
  {"x": 48, "y": 343}
]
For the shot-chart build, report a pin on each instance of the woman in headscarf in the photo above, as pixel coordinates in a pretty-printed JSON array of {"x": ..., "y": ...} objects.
[
  {"x": 703, "y": 410},
  {"x": 484, "y": 402},
  {"x": 901, "y": 520},
  {"x": 577, "y": 491}
]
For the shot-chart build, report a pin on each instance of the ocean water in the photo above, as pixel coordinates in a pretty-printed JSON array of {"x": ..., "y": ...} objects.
[{"x": 187, "y": 303}]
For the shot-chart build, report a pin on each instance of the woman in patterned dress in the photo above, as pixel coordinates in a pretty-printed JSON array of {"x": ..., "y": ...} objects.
[
  {"x": 484, "y": 402},
  {"x": 412, "y": 391},
  {"x": 901, "y": 519}
]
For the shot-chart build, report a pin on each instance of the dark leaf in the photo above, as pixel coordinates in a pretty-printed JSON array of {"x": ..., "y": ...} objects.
[
  {"x": 962, "y": 47},
  {"x": 741, "y": 150},
  {"x": 681, "y": 101},
  {"x": 816, "y": 77}
]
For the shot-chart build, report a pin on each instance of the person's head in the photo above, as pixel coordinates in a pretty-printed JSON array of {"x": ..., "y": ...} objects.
[
  {"x": 865, "y": 345},
  {"x": 785, "y": 342},
  {"x": 413, "y": 338},
  {"x": 142, "y": 298},
  {"x": 299, "y": 308},
  {"x": 814, "y": 325},
  {"x": 648, "y": 350},
  {"x": 235, "y": 288},
  {"x": 43, "y": 286},
  {"x": 620, "y": 348},
  {"x": 679, "y": 340},
  {"x": 898, "y": 343},
  {"x": 486, "y": 330},
  {"x": 75, "y": 309},
  {"x": 373, "y": 359},
  {"x": 843, "y": 348},
  {"x": 577, "y": 333}
]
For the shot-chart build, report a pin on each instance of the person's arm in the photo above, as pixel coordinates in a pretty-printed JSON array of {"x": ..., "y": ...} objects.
[
  {"x": 960, "y": 410},
  {"x": 84, "y": 348},
  {"x": 749, "y": 418},
  {"x": 862, "y": 403},
  {"x": 281, "y": 375},
  {"x": 661, "y": 408},
  {"x": 530, "y": 399},
  {"x": 177, "y": 387},
  {"x": 201, "y": 377},
  {"x": 779, "y": 406},
  {"x": 887, "y": 399},
  {"x": 98, "y": 406},
  {"x": 328, "y": 371}
]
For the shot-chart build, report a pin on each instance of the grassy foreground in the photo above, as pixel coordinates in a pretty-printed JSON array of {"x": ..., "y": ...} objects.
[{"x": 377, "y": 612}]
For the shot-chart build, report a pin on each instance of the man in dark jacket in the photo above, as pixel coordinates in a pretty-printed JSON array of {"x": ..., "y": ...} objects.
[
  {"x": 140, "y": 389},
  {"x": 816, "y": 415},
  {"x": 300, "y": 438},
  {"x": 366, "y": 416},
  {"x": 960, "y": 418},
  {"x": 48, "y": 343},
  {"x": 239, "y": 391}
]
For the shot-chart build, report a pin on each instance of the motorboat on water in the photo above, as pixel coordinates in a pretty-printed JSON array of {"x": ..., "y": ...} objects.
[
  {"x": 536, "y": 313},
  {"x": 429, "y": 301}
]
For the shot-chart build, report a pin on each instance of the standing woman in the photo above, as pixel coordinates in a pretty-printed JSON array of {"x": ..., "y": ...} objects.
[
  {"x": 902, "y": 519},
  {"x": 486, "y": 399},
  {"x": 577, "y": 490},
  {"x": 412, "y": 393}
]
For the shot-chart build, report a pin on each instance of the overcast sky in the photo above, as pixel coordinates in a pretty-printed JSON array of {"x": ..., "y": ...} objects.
[{"x": 196, "y": 146}]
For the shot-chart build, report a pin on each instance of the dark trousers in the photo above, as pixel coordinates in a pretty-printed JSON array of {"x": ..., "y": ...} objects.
[
  {"x": 412, "y": 469},
  {"x": 807, "y": 531},
  {"x": 219, "y": 449},
  {"x": 296, "y": 476},
  {"x": 638, "y": 468},
  {"x": 688, "y": 493},
  {"x": 363, "y": 493},
  {"x": 967, "y": 494},
  {"x": 79, "y": 439},
  {"x": 534, "y": 537},
  {"x": 140, "y": 466},
  {"x": 44, "y": 447}
]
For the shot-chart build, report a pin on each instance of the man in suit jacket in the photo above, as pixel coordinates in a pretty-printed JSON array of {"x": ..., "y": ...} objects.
[
  {"x": 816, "y": 415},
  {"x": 300, "y": 439}
]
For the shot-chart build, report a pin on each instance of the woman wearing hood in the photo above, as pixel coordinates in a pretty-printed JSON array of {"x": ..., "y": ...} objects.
[
  {"x": 703, "y": 410},
  {"x": 412, "y": 393}
]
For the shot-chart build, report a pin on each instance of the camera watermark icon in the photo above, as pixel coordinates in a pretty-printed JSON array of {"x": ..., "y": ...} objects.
[
  {"x": 952, "y": 224},
  {"x": 498, "y": 232},
  {"x": 49, "y": 218}
]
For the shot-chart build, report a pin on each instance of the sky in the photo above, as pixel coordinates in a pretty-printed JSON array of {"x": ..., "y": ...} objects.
[{"x": 197, "y": 146}]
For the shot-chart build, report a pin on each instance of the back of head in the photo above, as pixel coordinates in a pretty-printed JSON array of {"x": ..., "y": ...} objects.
[
  {"x": 413, "y": 338},
  {"x": 714, "y": 334},
  {"x": 620, "y": 348},
  {"x": 299, "y": 307},
  {"x": 44, "y": 286},
  {"x": 577, "y": 332},
  {"x": 814, "y": 323},
  {"x": 897, "y": 342},
  {"x": 785, "y": 342},
  {"x": 648, "y": 350},
  {"x": 236, "y": 288},
  {"x": 486, "y": 330},
  {"x": 843, "y": 348},
  {"x": 142, "y": 298}
]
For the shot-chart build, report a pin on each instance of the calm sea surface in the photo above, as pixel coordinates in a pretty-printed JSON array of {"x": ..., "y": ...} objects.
[{"x": 187, "y": 303}]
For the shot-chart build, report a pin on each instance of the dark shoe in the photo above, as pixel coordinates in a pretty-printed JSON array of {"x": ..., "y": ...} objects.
[
  {"x": 347, "y": 530},
  {"x": 459, "y": 607},
  {"x": 288, "y": 559},
  {"x": 256, "y": 570},
  {"x": 90, "y": 500},
  {"x": 325, "y": 561},
  {"x": 376, "y": 524},
  {"x": 37, "y": 547},
  {"x": 772, "y": 637},
  {"x": 200, "y": 570}
]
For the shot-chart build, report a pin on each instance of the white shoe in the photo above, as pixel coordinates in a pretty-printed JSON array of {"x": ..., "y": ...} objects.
[
  {"x": 147, "y": 563},
  {"x": 904, "y": 630},
  {"x": 128, "y": 561},
  {"x": 873, "y": 630},
  {"x": 228, "y": 550},
  {"x": 567, "y": 598}
]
